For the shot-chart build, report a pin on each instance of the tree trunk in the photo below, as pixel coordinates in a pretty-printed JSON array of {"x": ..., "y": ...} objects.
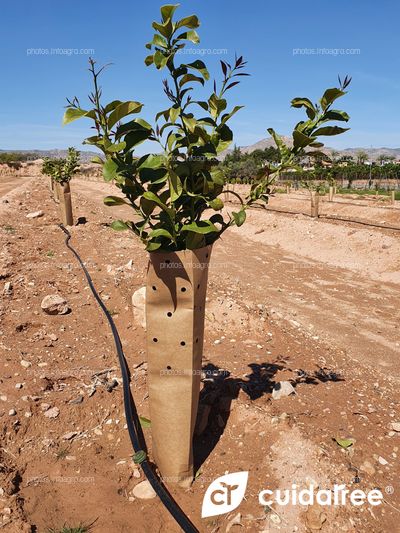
[
  {"x": 314, "y": 204},
  {"x": 175, "y": 300},
  {"x": 65, "y": 204},
  {"x": 331, "y": 193},
  {"x": 393, "y": 197},
  {"x": 287, "y": 189}
]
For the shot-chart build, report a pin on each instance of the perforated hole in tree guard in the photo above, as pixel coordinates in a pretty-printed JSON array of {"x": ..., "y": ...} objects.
[
  {"x": 183, "y": 289},
  {"x": 169, "y": 313},
  {"x": 183, "y": 343},
  {"x": 155, "y": 339}
]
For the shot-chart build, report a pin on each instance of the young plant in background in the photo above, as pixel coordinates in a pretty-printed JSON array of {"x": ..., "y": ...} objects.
[
  {"x": 61, "y": 171},
  {"x": 305, "y": 136}
]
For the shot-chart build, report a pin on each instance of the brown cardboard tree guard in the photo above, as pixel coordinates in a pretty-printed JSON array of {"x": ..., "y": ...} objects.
[
  {"x": 314, "y": 203},
  {"x": 64, "y": 192},
  {"x": 175, "y": 300}
]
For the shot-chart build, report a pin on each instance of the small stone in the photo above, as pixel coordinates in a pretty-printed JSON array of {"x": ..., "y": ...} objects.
[
  {"x": 3, "y": 398},
  {"x": 368, "y": 468},
  {"x": 136, "y": 473},
  {"x": 70, "y": 435},
  {"x": 12, "y": 412},
  {"x": 25, "y": 364},
  {"x": 8, "y": 289},
  {"x": 143, "y": 491},
  {"x": 35, "y": 214},
  {"x": 382, "y": 461},
  {"x": 53, "y": 412},
  {"x": 18, "y": 385},
  {"x": 217, "y": 341},
  {"x": 395, "y": 426},
  {"x": 54, "y": 304},
  {"x": 97, "y": 431},
  {"x": 282, "y": 389},
  {"x": 52, "y": 336}
]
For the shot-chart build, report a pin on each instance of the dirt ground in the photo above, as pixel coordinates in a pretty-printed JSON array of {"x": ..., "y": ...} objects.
[{"x": 313, "y": 302}]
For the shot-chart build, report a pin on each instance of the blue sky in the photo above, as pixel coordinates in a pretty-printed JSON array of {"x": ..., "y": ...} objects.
[{"x": 34, "y": 86}]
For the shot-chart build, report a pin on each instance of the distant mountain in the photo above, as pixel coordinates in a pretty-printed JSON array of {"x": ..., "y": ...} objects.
[
  {"x": 85, "y": 156},
  {"x": 373, "y": 153}
]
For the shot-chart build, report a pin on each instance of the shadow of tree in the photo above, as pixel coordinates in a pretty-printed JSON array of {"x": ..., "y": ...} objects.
[{"x": 220, "y": 389}]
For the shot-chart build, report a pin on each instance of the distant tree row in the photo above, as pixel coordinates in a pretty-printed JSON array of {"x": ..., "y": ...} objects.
[
  {"x": 13, "y": 158},
  {"x": 240, "y": 167}
]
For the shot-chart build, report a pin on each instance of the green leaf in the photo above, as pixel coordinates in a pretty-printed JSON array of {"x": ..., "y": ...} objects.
[
  {"x": 154, "y": 198},
  {"x": 174, "y": 113},
  {"x": 175, "y": 185},
  {"x": 239, "y": 217},
  {"x": 97, "y": 159},
  {"x": 300, "y": 140},
  {"x": 344, "y": 443},
  {"x": 189, "y": 22},
  {"x": 227, "y": 116},
  {"x": 305, "y": 102},
  {"x": 119, "y": 225},
  {"x": 152, "y": 161},
  {"x": 149, "y": 60},
  {"x": 191, "y": 77},
  {"x": 72, "y": 114},
  {"x": 165, "y": 29},
  {"x": 114, "y": 200},
  {"x": 110, "y": 170},
  {"x": 216, "y": 105},
  {"x": 160, "y": 60},
  {"x": 122, "y": 110},
  {"x": 335, "y": 114},
  {"x": 168, "y": 10},
  {"x": 160, "y": 233},
  {"x": 200, "y": 66},
  {"x": 194, "y": 241},
  {"x": 144, "y": 422},
  {"x": 191, "y": 35},
  {"x": 190, "y": 123},
  {"x": 217, "y": 204},
  {"x": 117, "y": 147},
  {"x": 329, "y": 96},
  {"x": 203, "y": 227},
  {"x": 330, "y": 130},
  {"x": 112, "y": 105},
  {"x": 158, "y": 40},
  {"x": 152, "y": 246}
]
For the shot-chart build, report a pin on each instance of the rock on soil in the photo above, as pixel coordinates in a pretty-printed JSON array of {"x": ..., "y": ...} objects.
[
  {"x": 139, "y": 306},
  {"x": 53, "y": 412},
  {"x": 144, "y": 491},
  {"x": 282, "y": 389},
  {"x": 54, "y": 304},
  {"x": 35, "y": 214}
]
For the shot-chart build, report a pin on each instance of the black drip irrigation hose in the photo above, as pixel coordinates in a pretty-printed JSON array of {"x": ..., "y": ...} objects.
[{"x": 132, "y": 418}]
